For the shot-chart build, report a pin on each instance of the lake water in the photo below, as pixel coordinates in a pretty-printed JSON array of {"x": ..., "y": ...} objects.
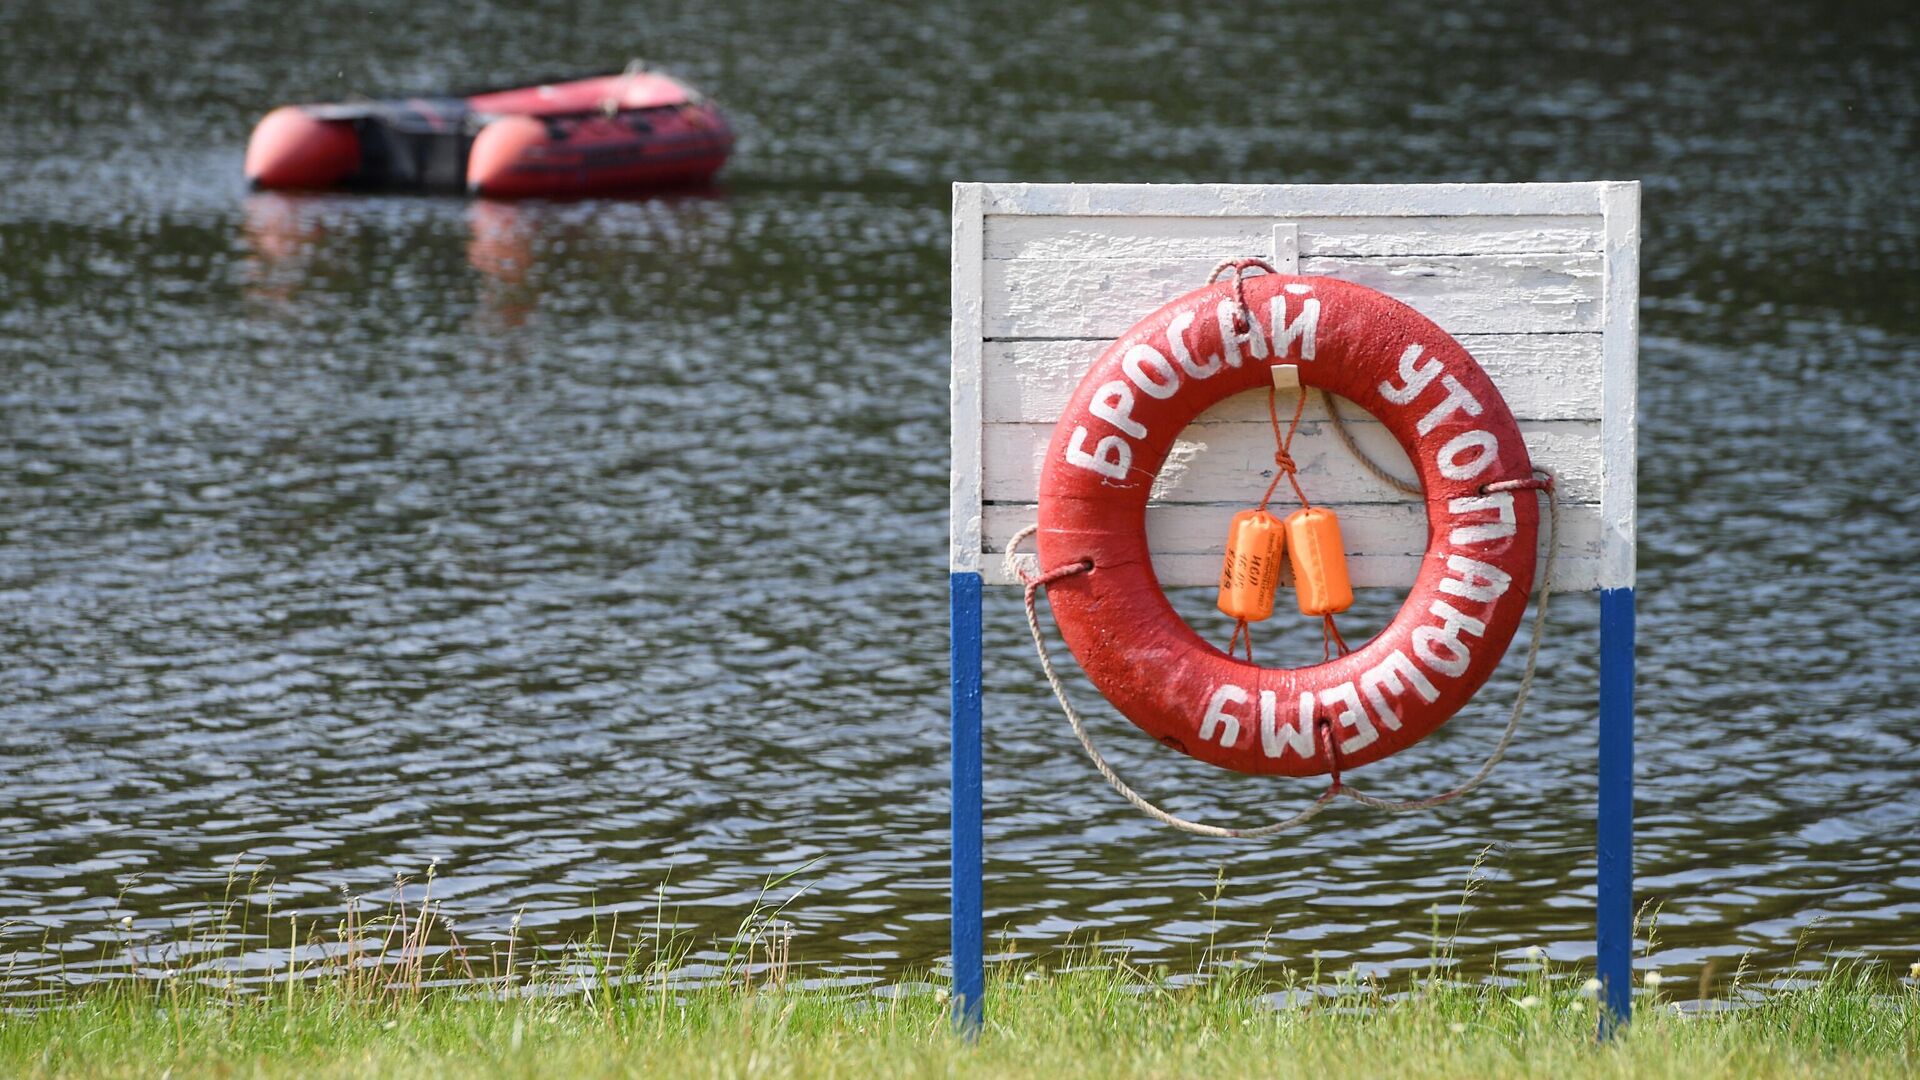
[{"x": 597, "y": 550}]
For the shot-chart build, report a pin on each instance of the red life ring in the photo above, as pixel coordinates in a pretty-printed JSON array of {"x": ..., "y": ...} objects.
[{"x": 1473, "y": 583}]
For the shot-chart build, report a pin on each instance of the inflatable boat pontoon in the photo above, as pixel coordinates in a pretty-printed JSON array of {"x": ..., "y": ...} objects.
[{"x": 632, "y": 131}]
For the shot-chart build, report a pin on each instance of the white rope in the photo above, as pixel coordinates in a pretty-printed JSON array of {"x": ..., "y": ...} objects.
[
  {"x": 1346, "y": 439},
  {"x": 1079, "y": 726},
  {"x": 1140, "y": 802},
  {"x": 1526, "y": 675},
  {"x": 1533, "y": 647}
]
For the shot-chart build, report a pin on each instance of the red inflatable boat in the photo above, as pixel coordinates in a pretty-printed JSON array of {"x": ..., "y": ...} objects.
[{"x": 609, "y": 133}]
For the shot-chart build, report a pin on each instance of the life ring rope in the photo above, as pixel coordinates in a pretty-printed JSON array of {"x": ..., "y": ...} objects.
[
  {"x": 1378, "y": 470},
  {"x": 1543, "y": 481}
]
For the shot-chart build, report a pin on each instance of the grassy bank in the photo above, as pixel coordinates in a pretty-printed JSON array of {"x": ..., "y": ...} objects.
[
  {"x": 1105, "y": 1020},
  {"x": 240, "y": 989}
]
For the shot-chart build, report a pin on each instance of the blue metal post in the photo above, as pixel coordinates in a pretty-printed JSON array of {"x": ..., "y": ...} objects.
[
  {"x": 1613, "y": 840},
  {"x": 969, "y": 925}
]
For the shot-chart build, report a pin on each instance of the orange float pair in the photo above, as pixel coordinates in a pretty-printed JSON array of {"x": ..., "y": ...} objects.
[{"x": 1256, "y": 542}]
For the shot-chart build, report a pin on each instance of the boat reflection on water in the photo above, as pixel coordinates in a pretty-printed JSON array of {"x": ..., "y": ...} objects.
[
  {"x": 283, "y": 236},
  {"x": 512, "y": 245},
  {"x": 309, "y": 245},
  {"x": 293, "y": 242},
  {"x": 500, "y": 245}
]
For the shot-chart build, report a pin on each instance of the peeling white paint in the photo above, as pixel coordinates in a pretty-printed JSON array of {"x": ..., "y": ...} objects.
[{"x": 1538, "y": 281}]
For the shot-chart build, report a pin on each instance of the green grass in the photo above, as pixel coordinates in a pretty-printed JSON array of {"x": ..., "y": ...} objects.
[
  {"x": 1106, "y": 1019},
  {"x": 400, "y": 993}
]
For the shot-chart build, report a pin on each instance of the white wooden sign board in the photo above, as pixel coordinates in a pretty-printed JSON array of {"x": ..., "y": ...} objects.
[{"x": 1538, "y": 281}]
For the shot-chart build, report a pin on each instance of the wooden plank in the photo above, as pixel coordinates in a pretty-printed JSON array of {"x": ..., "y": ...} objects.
[
  {"x": 1619, "y": 391},
  {"x": 1365, "y": 528},
  {"x": 963, "y": 394},
  {"x": 1293, "y": 201},
  {"x": 1365, "y": 571},
  {"x": 1502, "y": 235},
  {"x": 1019, "y": 236},
  {"x": 1233, "y": 461},
  {"x": 1542, "y": 376},
  {"x": 1465, "y": 294}
]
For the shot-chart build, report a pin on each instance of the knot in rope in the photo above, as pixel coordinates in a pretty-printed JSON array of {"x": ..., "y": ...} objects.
[{"x": 1285, "y": 468}]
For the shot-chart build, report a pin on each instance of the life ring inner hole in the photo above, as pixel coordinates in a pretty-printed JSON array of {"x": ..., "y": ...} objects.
[{"x": 1288, "y": 639}]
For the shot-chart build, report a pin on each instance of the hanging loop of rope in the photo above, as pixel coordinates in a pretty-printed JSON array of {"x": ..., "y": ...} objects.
[
  {"x": 1543, "y": 481},
  {"x": 1379, "y": 471},
  {"x": 1547, "y": 483},
  {"x": 1036, "y": 582},
  {"x": 1242, "y": 318},
  {"x": 1329, "y": 753}
]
